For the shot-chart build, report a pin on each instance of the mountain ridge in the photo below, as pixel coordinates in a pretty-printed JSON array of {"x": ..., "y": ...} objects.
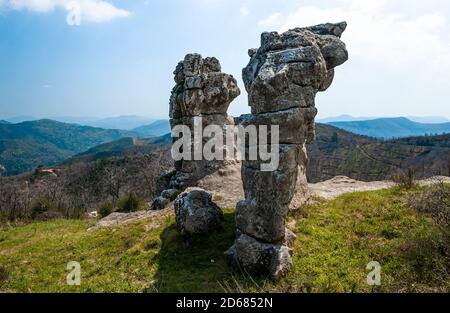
[
  {"x": 23, "y": 146},
  {"x": 388, "y": 128},
  {"x": 157, "y": 128},
  {"x": 335, "y": 152},
  {"x": 351, "y": 118}
]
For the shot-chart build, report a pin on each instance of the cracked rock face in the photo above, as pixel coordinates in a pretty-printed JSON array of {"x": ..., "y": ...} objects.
[
  {"x": 196, "y": 213},
  {"x": 282, "y": 80},
  {"x": 201, "y": 90}
]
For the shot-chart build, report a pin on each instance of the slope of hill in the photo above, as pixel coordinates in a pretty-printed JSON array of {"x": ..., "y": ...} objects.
[
  {"x": 333, "y": 246},
  {"x": 428, "y": 141},
  {"x": 26, "y": 145},
  {"x": 350, "y": 118},
  {"x": 343, "y": 118},
  {"x": 428, "y": 119},
  {"x": 122, "y": 147},
  {"x": 20, "y": 119},
  {"x": 158, "y": 128},
  {"x": 338, "y": 152},
  {"x": 335, "y": 152},
  {"x": 4, "y": 122},
  {"x": 387, "y": 128}
]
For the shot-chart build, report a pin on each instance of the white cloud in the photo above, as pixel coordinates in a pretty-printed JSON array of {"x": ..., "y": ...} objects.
[
  {"x": 244, "y": 11},
  {"x": 376, "y": 33},
  {"x": 275, "y": 19},
  {"x": 96, "y": 11}
]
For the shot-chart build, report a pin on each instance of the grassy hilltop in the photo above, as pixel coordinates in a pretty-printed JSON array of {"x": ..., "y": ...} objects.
[{"x": 336, "y": 240}]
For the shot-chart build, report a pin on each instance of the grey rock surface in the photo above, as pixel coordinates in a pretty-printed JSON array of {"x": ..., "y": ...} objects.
[
  {"x": 201, "y": 90},
  {"x": 254, "y": 257},
  {"x": 170, "y": 194},
  {"x": 282, "y": 79},
  {"x": 196, "y": 213},
  {"x": 159, "y": 203}
]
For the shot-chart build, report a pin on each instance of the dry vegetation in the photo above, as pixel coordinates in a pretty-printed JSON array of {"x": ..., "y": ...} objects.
[{"x": 72, "y": 190}]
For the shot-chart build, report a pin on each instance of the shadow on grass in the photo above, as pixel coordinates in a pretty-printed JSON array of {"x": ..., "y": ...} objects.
[{"x": 194, "y": 265}]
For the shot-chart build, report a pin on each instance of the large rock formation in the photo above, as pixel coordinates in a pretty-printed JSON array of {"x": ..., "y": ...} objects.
[
  {"x": 282, "y": 79},
  {"x": 201, "y": 90}
]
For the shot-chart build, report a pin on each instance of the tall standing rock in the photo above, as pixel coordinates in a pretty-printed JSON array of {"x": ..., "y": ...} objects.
[
  {"x": 201, "y": 90},
  {"x": 282, "y": 80}
]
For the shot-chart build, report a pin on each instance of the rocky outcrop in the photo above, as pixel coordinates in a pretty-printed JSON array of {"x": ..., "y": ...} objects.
[
  {"x": 196, "y": 213},
  {"x": 282, "y": 80},
  {"x": 201, "y": 90},
  {"x": 117, "y": 218}
]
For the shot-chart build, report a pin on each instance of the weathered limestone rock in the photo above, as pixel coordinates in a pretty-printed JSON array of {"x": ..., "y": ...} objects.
[
  {"x": 282, "y": 80},
  {"x": 196, "y": 213},
  {"x": 201, "y": 90},
  {"x": 253, "y": 256},
  {"x": 160, "y": 203},
  {"x": 170, "y": 194}
]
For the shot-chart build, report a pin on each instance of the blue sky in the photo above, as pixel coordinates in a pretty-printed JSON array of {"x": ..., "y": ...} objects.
[{"x": 120, "y": 59}]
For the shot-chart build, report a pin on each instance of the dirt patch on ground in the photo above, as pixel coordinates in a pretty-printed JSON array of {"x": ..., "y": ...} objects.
[
  {"x": 226, "y": 188},
  {"x": 115, "y": 219},
  {"x": 339, "y": 185}
]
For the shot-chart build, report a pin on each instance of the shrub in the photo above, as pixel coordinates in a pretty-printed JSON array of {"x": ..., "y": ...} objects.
[
  {"x": 405, "y": 180},
  {"x": 429, "y": 254},
  {"x": 130, "y": 203},
  {"x": 3, "y": 275},
  {"x": 105, "y": 209},
  {"x": 435, "y": 201},
  {"x": 430, "y": 251},
  {"x": 41, "y": 206}
]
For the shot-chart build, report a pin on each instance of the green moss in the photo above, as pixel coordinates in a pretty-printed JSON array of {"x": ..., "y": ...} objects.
[{"x": 218, "y": 198}]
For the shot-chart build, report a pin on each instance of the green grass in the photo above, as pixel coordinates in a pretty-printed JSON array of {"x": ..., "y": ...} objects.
[
  {"x": 336, "y": 240},
  {"x": 339, "y": 238}
]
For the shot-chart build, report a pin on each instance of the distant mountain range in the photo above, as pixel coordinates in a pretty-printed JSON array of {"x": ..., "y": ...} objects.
[
  {"x": 122, "y": 122},
  {"x": 157, "y": 128},
  {"x": 23, "y": 146},
  {"x": 382, "y": 128},
  {"x": 349, "y": 118},
  {"x": 388, "y": 128},
  {"x": 126, "y": 122},
  {"x": 122, "y": 147},
  {"x": 335, "y": 152},
  {"x": 339, "y": 152}
]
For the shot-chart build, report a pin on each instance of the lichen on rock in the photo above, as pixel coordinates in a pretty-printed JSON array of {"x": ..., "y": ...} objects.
[
  {"x": 201, "y": 90},
  {"x": 196, "y": 213},
  {"x": 282, "y": 79}
]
